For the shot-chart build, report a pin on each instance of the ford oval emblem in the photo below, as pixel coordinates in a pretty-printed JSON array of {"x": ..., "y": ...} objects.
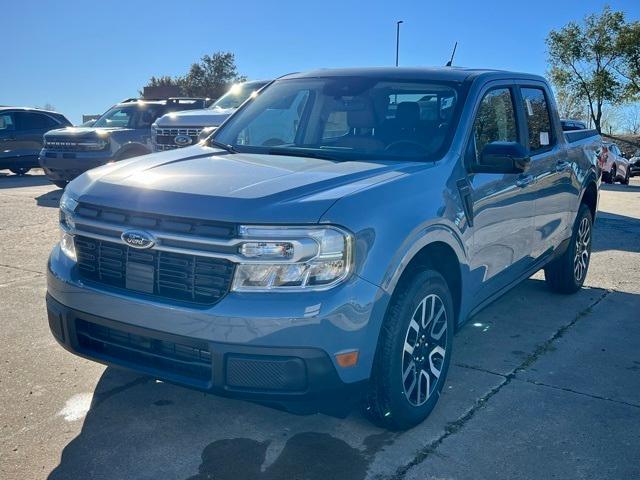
[
  {"x": 182, "y": 140},
  {"x": 138, "y": 239}
]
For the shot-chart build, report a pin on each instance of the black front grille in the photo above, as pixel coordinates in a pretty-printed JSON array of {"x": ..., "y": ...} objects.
[
  {"x": 165, "y": 357},
  {"x": 62, "y": 145},
  {"x": 165, "y": 137},
  {"x": 165, "y": 223},
  {"x": 165, "y": 275}
]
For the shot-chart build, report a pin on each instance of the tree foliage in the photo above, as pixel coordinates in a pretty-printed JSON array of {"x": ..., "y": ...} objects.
[
  {"x": 585, "y": 59},
  {"x": 210, "y": 77},
  {"x": 629, "y": 64}
]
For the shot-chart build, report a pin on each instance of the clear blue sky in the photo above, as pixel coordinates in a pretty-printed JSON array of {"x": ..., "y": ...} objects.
[{"x": 82, "y": 56}]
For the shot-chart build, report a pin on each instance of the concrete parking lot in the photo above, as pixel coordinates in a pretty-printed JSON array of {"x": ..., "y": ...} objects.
[{"x": 541, "y": 386}]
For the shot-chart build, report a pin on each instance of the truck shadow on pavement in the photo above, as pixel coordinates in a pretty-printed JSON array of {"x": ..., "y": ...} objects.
[
  {"x": 616, "y": 232},
  {"x": 618, "y": 187},
  {"x": 32, "y": 179},
  {"x": 50, "y": 199},
  {"x": 137, "y": 427}
]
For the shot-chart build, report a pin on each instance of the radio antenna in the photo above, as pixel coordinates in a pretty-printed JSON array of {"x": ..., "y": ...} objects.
[{"x": 450, "y": 62}]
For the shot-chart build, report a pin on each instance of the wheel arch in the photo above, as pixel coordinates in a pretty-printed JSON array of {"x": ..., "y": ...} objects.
[
  {"x": 130, "y": 150},
  {"x": 439, "y": 250},
  {"x": 590, "y": 196}
]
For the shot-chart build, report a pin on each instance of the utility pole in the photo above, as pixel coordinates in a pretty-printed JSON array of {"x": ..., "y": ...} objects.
[{"x": 398, "y": 39}]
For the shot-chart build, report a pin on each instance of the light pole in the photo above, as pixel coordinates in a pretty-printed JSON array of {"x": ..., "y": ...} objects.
[{"x": 398, "y": 39}]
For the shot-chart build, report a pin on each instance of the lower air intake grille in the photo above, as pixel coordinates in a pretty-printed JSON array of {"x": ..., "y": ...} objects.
[
  {"x": 165, "y": 275},
  {"x": 163, "y": 356},
  {"x": 266, "y": 373}
]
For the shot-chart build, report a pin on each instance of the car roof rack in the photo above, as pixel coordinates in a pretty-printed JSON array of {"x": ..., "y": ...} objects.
[{"x": 168, "y": 100}]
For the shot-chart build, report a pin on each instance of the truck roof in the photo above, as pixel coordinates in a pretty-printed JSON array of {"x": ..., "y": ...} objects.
[
  {"x": 451, "y": 74},
  {"x": 28, "y": 109}
]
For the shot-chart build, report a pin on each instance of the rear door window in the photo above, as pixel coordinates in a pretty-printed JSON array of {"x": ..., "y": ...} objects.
[
  {"x": 536, "y": 111},
  {"x": 496, "y": 119},
  {"x": 6, "y": 122},
  {"x": 34, "y": 121}
]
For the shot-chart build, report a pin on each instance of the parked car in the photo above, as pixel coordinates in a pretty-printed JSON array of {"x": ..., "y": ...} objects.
[
  {"x": 331, "y": 259},
  {"x": 124, "y": 131},
  {"x": 21, "y": 131},
  {"x": 187, "y": 128},
  {"x": 615, "y": 167},
  {"x": 634, "y": 165},
  {"x": 570, "y": 125}
]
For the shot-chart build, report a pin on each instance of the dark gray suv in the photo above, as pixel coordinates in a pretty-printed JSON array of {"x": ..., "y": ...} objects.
[
  {"x": 124, "y": 131},
  {"x": 21, "y": 131}
]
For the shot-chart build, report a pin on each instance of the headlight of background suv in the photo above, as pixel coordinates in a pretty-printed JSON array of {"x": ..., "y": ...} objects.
[
  {"x": 67, "y": 206},
  {"x": 292, "y": 258}
]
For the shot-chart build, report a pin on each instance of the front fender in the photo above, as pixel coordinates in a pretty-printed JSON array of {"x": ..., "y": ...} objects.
[{"x": 415, "y": 243}]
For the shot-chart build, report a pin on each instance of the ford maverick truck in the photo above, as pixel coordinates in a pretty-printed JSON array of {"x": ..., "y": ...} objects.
[{"x": 323, "y": 245}]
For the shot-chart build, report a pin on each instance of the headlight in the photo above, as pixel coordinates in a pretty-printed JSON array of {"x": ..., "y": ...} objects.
[
  {"x": 205, "y": 132},
  {"x": 292, "y": 258},
  {"x": 68, "y": 205},
  {"x": 93, "y": 145},
  {"x": 68, "y": 246}
]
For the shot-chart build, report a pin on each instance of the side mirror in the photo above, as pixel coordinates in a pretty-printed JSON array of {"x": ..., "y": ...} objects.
[{"x": 502, "y": 157}]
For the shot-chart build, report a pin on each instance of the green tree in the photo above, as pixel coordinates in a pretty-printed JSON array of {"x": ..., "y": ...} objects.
[
  {"x": 629, "y": 64},
  {"x": 210, "y": 77},
  {"x": 583, "y": 59}
]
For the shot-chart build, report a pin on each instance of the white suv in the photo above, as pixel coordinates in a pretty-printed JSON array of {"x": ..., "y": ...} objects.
[{"x": 182, "y": 129}]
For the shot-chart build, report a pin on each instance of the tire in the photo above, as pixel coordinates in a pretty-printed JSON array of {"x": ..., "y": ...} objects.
[
  {"x": 566, "y": 274},
  {"x": 398, "y": 397},
  {"x": 626, "y": 178},
  {"x": 20, "y": 171},
  {"x": 131, "y": 154},
  {"x": 611, "y": 176},
  {"x": 59, "y": 183}
]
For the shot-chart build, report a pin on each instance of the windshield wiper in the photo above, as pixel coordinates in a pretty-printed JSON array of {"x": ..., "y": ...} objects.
[
  {"x": 223, "y": 146},
  {"x": 294, "y": 152}
]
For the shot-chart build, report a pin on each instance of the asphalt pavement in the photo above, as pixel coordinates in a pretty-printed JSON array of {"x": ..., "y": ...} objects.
[{"x": 541, "y": 386}]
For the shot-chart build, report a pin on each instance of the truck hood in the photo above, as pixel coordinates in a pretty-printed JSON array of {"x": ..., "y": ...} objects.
[
  {"x": 200, "y": 182},
  {"x": 208, "y": 117},
  {"x": 83, "y": 132}
]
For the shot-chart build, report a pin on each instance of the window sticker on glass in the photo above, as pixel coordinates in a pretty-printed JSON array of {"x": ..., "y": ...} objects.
[
  {"x": 544, "y": 138},
  {"x": 527, "y": 101}
]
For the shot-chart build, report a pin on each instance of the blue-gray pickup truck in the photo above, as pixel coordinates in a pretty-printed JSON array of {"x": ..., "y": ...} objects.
[{"x": 322, "y": 247}]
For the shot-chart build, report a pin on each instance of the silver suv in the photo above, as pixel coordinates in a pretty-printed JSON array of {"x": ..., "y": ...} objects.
[{"x": 182, "y": 129}]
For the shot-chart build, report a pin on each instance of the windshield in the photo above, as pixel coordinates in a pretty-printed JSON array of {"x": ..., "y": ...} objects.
[
  {"x": 347, "y": 117},
  {"x": 131, "y": 116},
  {"x": 237, "y": 95}
]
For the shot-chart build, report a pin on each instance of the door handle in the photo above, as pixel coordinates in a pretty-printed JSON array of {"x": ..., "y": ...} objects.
[
  {"x": 562, "y": 165},
  {"x": 524, "y": 181}
]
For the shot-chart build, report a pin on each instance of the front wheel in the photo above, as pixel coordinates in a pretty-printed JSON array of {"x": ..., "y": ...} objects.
[
  {"x": 626, "y": 178},
  {"x": 414, "y": 352},
  {"x": 611, "y": 177},
  {"x": 566, "y": 274},
  {"x": 20, "y": 171}
]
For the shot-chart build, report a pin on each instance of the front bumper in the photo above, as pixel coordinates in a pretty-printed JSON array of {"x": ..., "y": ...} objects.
[
  {"x": 65, "y": 166},
  {"x": 276, "y": 348},
  {"x": 303, "y": 380}
]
